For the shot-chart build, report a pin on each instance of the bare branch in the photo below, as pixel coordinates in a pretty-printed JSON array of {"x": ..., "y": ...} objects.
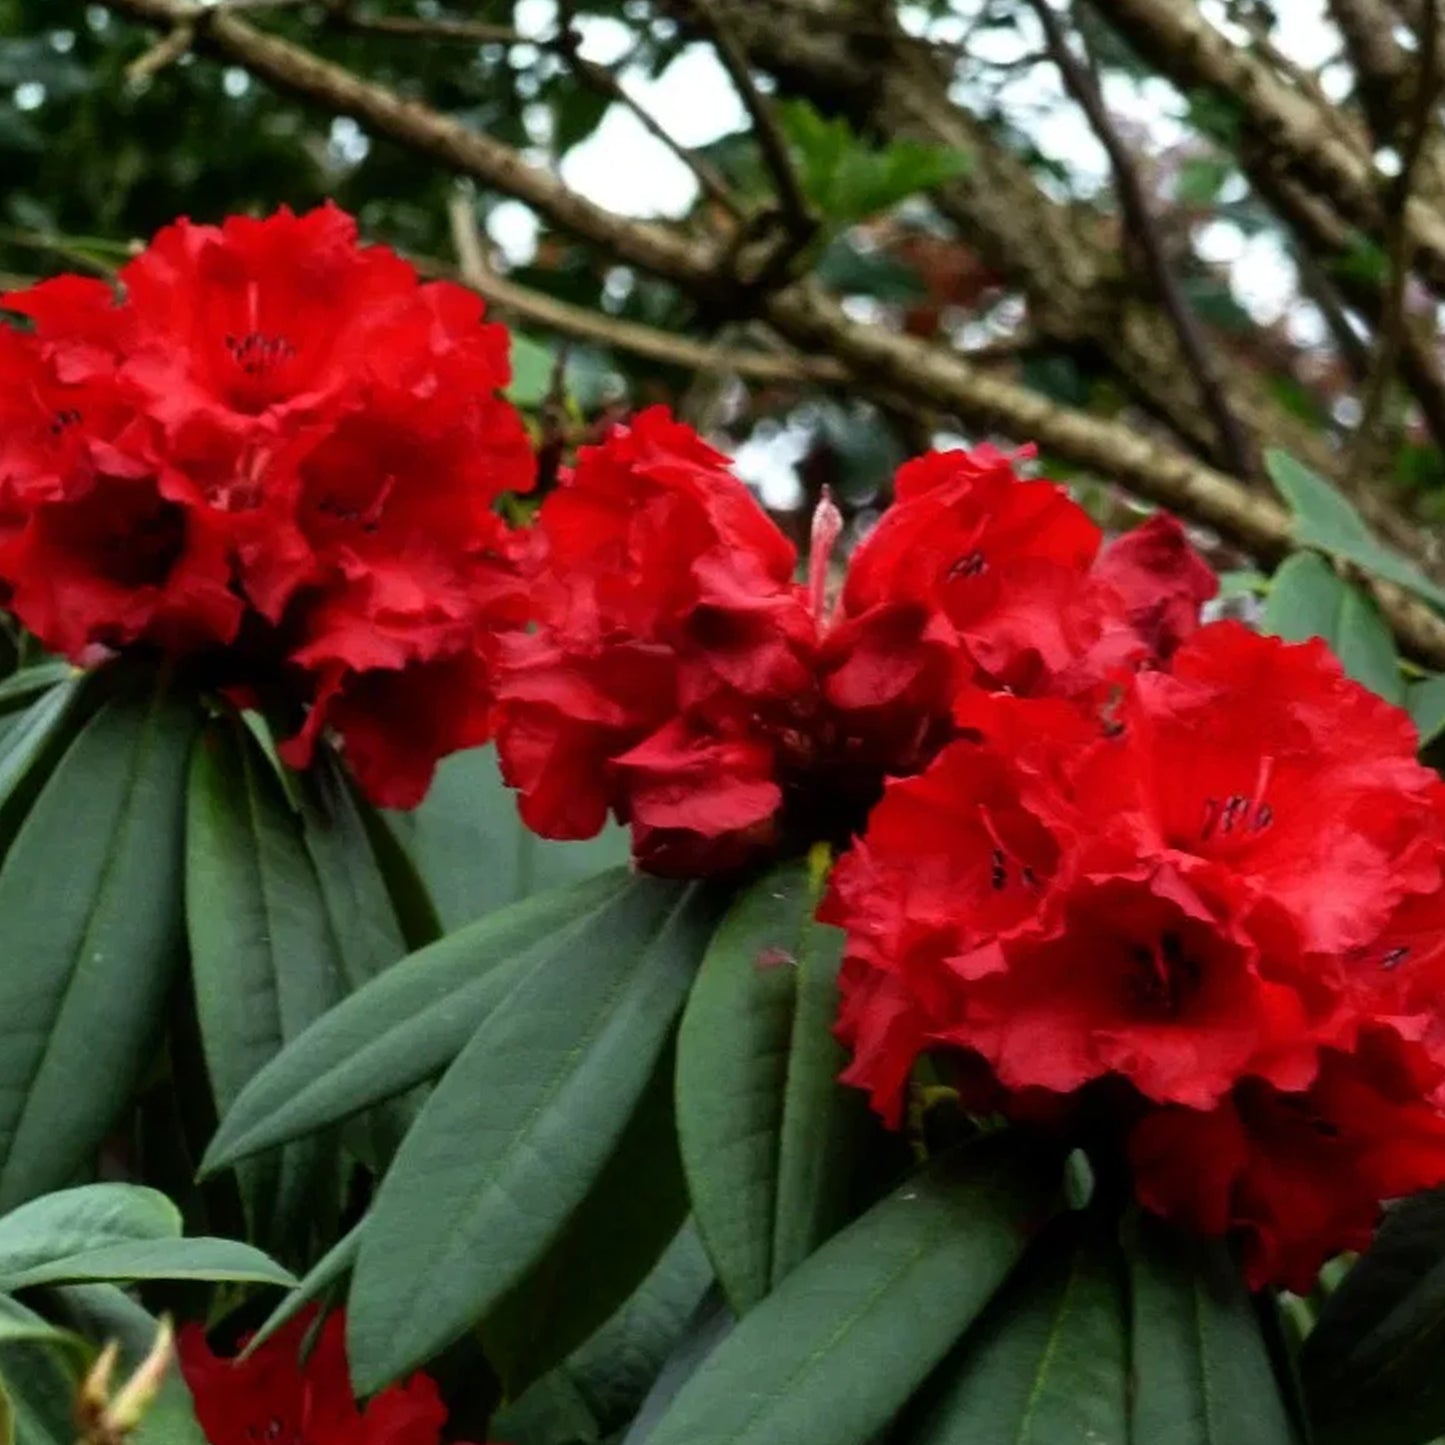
[
  {"x": 464, "y": 32},
  {"x": 797, "y": 213},
  {"x": 1394, "y": 320},
  {"x": 1082, "y": 83},
  {"x": 879, "y": 361}
]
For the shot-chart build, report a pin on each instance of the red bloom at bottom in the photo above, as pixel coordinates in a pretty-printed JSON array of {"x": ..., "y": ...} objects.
[{"x": 279, "y": 1397}]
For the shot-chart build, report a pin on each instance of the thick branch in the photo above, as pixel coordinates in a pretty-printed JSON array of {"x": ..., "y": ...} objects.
[
  {"x": 1278, "y": 124},
  {"x": 881, "y": 361}
]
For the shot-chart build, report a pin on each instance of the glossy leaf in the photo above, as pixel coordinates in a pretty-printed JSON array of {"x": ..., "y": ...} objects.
[
  {"x": 408, "y": 1024},
  {"x": 834, "y": 1352},
  {"x": 263, "y": 956},
  {"x": 91, "y": 896},
  {"x": 605, "y": 1251},
  {"x": 34, "y": 740},
  {"x": 519, "y": 1128},
  {"x": 768, "y": 1135},
  {"x": 1201, "y": 1370},
  {"x": 1371, "y": 1366},
  {"x": 74, "y": 1221},
  {"x": 21, "y": 689},
  {"x": 1324, "y": 518},
  {"x": 1047, "y": 1362}
]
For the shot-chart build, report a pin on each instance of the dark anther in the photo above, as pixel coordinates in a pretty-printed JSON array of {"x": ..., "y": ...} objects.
[
  {"x": 999, "y": 869},
  {"x": 1235, "y": 808},
  {"x": 67, "y": 417},
  {"x": 256, "y": 353},
  {"x": 1027, "y": 874},
  {"x": 971, "y": 564},
  {"x": 1263, "y": 817},
  {"x": 1394, "y": 958}
]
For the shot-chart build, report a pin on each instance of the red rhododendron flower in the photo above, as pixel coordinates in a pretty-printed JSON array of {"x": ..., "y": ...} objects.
[
  {"x": 681, "y": 678},
  {"x": 285, "y": 1395},
  {"x": 276, "y": 451},
  {"x": 1227, "y": 899}
]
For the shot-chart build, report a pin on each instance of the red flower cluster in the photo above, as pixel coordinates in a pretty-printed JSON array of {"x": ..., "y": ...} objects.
[
  {"x": 1220, "y": 918},
  {"x": 682, "y": 679},
  {"x": 276, "y": 450},
  {"x": 279, "y": 1397}
]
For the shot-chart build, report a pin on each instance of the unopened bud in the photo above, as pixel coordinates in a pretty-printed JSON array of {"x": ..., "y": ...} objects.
[
  {"x": 827, "y": 528},
  {"x": 139, "y": 1393}
]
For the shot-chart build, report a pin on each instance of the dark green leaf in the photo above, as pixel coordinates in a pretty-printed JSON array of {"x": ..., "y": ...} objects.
[
  {"x": 263, "y": 957},
  {"x": 1200, "y": 180},
  {"x": 19, "y": 1322},
  {"x": 406, "y": 1025},
  {"x": 34, "y": 741},
  {"x": 617, "y": 1234},
  {"x": 1201, "y": 1371},
  {"x": 91, "y": 897},
  {"x": 474, "y": 852},
  {"x": 206, "y": 1259},
  {"x": 1046, "y": 1363},
  {"x": 846, "y": 1339},
  {"x": 711, "y": 1323},
  {"x": 768, "y": 1135},
  {"x": 25, "y": 687},
  {"x": 331, "y": 1268},
  {"x": 1371, "y": 1365},
  {"x": 40, "y": 1381},
  {"x": 520, "y": 1126},
  {"x": 74, "y": 1221},
  {"x": 1327, "y": 520}
]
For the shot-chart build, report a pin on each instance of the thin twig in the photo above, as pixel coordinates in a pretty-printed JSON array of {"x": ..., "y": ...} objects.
[
  {"x": 793, "y": 200},
  {"x": 401, "y": 27},
  {"x": 1394, "y": 320},
  {"x": 166, "y": 51},
  {"x": 600, "y": 78},
  {"x": 1080, "y": 80}
]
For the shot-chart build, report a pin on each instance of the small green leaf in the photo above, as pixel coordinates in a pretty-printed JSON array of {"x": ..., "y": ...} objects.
[
  {"x": 1201, "y": 179},
  {"x": 520, "y": 1126},
  {"x": 332, "y": 1267},
  {"x": 74, "y": 1221},
  {"x": 768, "y": 1135},
  {"x": 91, "y": 897},
  {"x": 1304, "y": 599},
  {"x": 1201, "y": 1371},
  {"x": 1426, "y": 702},
  {"x": 1326, "y": 519},
  {"x": 834, "y": 1352},
  {"x": 1046, "y": 1363},
  {"x": 1366, "y": 647},
  {"x": 408, "y": 1024},
  {"x": 263, "y": 957},
  {"x": 532, "y": 368},
  {"x": 201, "y": 1258}
]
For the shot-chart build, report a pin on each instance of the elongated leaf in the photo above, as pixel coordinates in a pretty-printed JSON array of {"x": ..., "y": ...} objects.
[
  {"x": 520, "y": 1126},
  {"x": 1325, "y": 519},
  {"x": 73, "y": 1221},
  {"x": 768, "y": 1134},
  {"x": 208, "y": 1259},
  {"x": 263, "y": 956},
  {"x": 22, "y": 688},
  {"x": 406, "y": 1025},
  {"x": 1201, "y": 1372},
  {"x": 103, "y": 1313},
  {"x": 618, "y": 1232},
  {"x": 91, "y": 898},
  {"x": 40, "y": 1381},
  {"x": 19, "y": 1323},
  {"x": 1371, "y": 1365},
  {"x": 1047, "y": 1362},
  {"x": 1304, "y": 599},
  {"x": 330, "y": 1269},
  {"x": 476, "y": 855},
  {"x": 711, "y": 1323},
  {"x": 833, "y": 1353},
  {"x": 33, "y": 742}
]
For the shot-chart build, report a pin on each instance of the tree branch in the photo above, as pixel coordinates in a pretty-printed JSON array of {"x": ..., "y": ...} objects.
[
  {"x": 880, "y": 361},
  {"x": 1082, "y": 83}
]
